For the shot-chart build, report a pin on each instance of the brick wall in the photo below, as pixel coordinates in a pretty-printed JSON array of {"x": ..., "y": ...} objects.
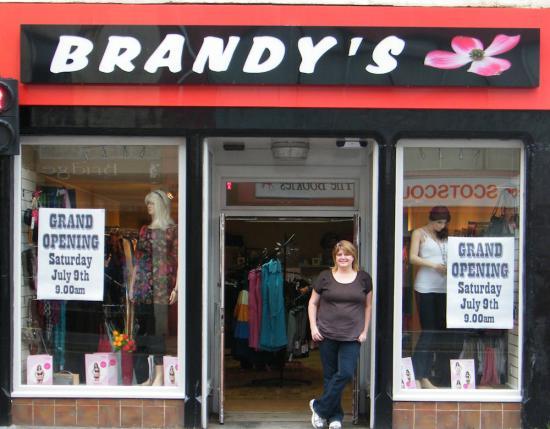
[
  {"x": 115, "y": 413},
  {"x": 456, "y": 415}
]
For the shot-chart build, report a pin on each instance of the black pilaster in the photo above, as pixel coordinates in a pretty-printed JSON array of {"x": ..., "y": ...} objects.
[
  {"x": 6, "y": 276},
  {"x": 193, "y": 283},
  {"x": 536, "y": 353},
  {"x": 384, "y": 299}
]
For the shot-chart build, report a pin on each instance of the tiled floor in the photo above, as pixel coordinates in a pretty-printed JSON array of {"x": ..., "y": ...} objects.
[
  {"x": 266, "y": 420},
  {"x": 263, "y": 425},
  {"x": 252, "y": 390}
]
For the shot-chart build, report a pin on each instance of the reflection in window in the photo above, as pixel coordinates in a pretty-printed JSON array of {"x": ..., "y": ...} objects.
[
  {"x": 125, "y": 332},
  {"x": 291, "y": 193},
  {"x": 453, "y": 309}
]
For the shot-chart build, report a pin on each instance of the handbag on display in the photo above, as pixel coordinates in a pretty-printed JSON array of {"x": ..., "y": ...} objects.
[
  {"x": 498, "y": 225},
  {"x": 30, "y": 217},
  {"x": 31, "y": 334},
  {"x": 32, "y": 337},
  {"x": 104, "y": 344},
  {"x": 27, "y": 217},
  {"x": 66, "y": 378}
]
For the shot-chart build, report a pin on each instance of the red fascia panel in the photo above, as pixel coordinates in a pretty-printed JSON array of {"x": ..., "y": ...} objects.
[{"x": 274, "y": 96}]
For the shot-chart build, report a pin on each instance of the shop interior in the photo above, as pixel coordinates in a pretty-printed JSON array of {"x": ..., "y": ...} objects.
[
  {"x": 480, "y": 187},
  {"x": 492, "y": 349},
  {"x": 275, "y": 374}
]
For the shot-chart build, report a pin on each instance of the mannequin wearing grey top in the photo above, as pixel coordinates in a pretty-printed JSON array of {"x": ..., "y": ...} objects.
[{"x": 429, "y": 253}]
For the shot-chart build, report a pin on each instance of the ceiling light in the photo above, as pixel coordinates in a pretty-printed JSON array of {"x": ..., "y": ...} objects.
[
  {"x": 230, "y": 146},
  {"x": 290, "y": 150},
  {"x": 351, "y": 143}
]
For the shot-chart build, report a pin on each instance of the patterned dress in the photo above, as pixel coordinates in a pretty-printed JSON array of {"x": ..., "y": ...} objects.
[{"x": 156, "y": 262}]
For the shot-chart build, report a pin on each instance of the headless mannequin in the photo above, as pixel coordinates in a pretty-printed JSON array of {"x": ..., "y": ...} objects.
[{"x": 153, "y": 287}]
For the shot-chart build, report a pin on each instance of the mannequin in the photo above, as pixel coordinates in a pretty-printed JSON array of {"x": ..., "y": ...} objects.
[
  {"x": 429, "y": 253},
  {"x": 154, "y": 286}
]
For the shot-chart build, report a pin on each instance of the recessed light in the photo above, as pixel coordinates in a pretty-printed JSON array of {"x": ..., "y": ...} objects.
[
  {"x": 233, "y": 146},
  {"x": 351, "y": 143}
]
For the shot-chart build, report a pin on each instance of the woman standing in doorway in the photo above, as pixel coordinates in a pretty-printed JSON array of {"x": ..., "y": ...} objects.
[
  {"x": 429, "y": 254},
  {"x": 339, "y": 316}
]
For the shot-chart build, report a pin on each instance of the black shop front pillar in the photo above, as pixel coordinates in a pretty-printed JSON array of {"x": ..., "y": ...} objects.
[
  {"x": 383, "y": 404},
  {"x": 6, "y": 281},
  {"x": 193, "y": 283},
  {"x": 536, "y": 353}
]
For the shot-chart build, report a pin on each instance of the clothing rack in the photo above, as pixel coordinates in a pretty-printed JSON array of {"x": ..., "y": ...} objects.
[
  {"x": 280, "y": 249},
  {"x": 476, "y": 345},
  {"x": 128, "y": 233}
]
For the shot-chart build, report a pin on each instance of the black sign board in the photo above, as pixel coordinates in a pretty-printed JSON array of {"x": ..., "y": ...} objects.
[{"x": 220, "y": 55}]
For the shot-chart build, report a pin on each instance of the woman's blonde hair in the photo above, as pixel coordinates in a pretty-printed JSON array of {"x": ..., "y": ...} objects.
[
  {"x": 162, "y": 217},
  {"x": 349, "y": 249}
]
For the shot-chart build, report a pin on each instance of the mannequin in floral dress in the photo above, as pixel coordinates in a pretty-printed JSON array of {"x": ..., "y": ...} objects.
[{"x": 154, "y": 285}]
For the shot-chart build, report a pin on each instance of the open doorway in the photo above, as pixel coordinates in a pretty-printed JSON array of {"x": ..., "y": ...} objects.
[
  {"x": 254, "y": 199},
  {"x": 270, "y": 368}
]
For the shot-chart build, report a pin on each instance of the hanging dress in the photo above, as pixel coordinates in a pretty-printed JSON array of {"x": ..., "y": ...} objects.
[{"x": 273, "y": 327}]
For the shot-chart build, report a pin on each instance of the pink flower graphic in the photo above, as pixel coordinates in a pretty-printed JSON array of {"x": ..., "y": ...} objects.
[{"x": 470, "y": 49}]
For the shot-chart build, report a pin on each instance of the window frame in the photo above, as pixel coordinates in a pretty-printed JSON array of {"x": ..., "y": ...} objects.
[
  {"x": 443, "y": 394},
  {"x": 21, "y": 390}
]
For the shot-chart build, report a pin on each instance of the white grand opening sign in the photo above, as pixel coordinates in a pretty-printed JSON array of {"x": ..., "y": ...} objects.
[
  {"x": 480, "y": 282},
  {"x": 70, "y": 254}
]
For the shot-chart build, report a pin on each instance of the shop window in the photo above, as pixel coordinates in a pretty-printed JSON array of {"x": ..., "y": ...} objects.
[
  {"x": 458, "y": 270},
  {"x": 98, "y": 295}
]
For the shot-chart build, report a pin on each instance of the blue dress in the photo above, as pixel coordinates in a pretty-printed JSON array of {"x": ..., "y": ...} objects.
[{"x": 273, "y": 327}]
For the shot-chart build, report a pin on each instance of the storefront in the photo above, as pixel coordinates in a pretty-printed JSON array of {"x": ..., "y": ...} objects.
[{"x": 168, "y": 151}]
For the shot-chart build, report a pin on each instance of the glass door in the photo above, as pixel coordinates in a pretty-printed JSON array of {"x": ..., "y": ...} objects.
[
  {"x": 356, "y": 378},
  {"x": 221, "y": 319}
]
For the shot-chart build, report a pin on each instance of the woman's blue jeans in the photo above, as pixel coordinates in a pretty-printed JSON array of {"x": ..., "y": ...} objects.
[{"x": 339, "y": 360}]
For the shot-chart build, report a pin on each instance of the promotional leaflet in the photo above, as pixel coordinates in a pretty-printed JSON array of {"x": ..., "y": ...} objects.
[
  {"x": 463, "y": 374},
  {"x": 408, "y": 380},
  {"x": 71, "y": 254},
  {"x": 480, "y": 282}
]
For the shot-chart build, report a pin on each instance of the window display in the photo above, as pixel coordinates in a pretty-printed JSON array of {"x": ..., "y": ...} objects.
[
  {"x": 459, "y": 289},
  {"x": 110, "y": 321},
  {"x": 153, "y": 285}
]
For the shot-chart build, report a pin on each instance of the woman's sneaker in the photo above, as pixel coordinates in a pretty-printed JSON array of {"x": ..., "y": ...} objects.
[
  {"x": 316, "y": 420},
  {"x": 335, "y": 424}
]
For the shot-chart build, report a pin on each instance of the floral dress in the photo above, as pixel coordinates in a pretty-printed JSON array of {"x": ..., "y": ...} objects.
[{"x": 156, "y": 262}]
